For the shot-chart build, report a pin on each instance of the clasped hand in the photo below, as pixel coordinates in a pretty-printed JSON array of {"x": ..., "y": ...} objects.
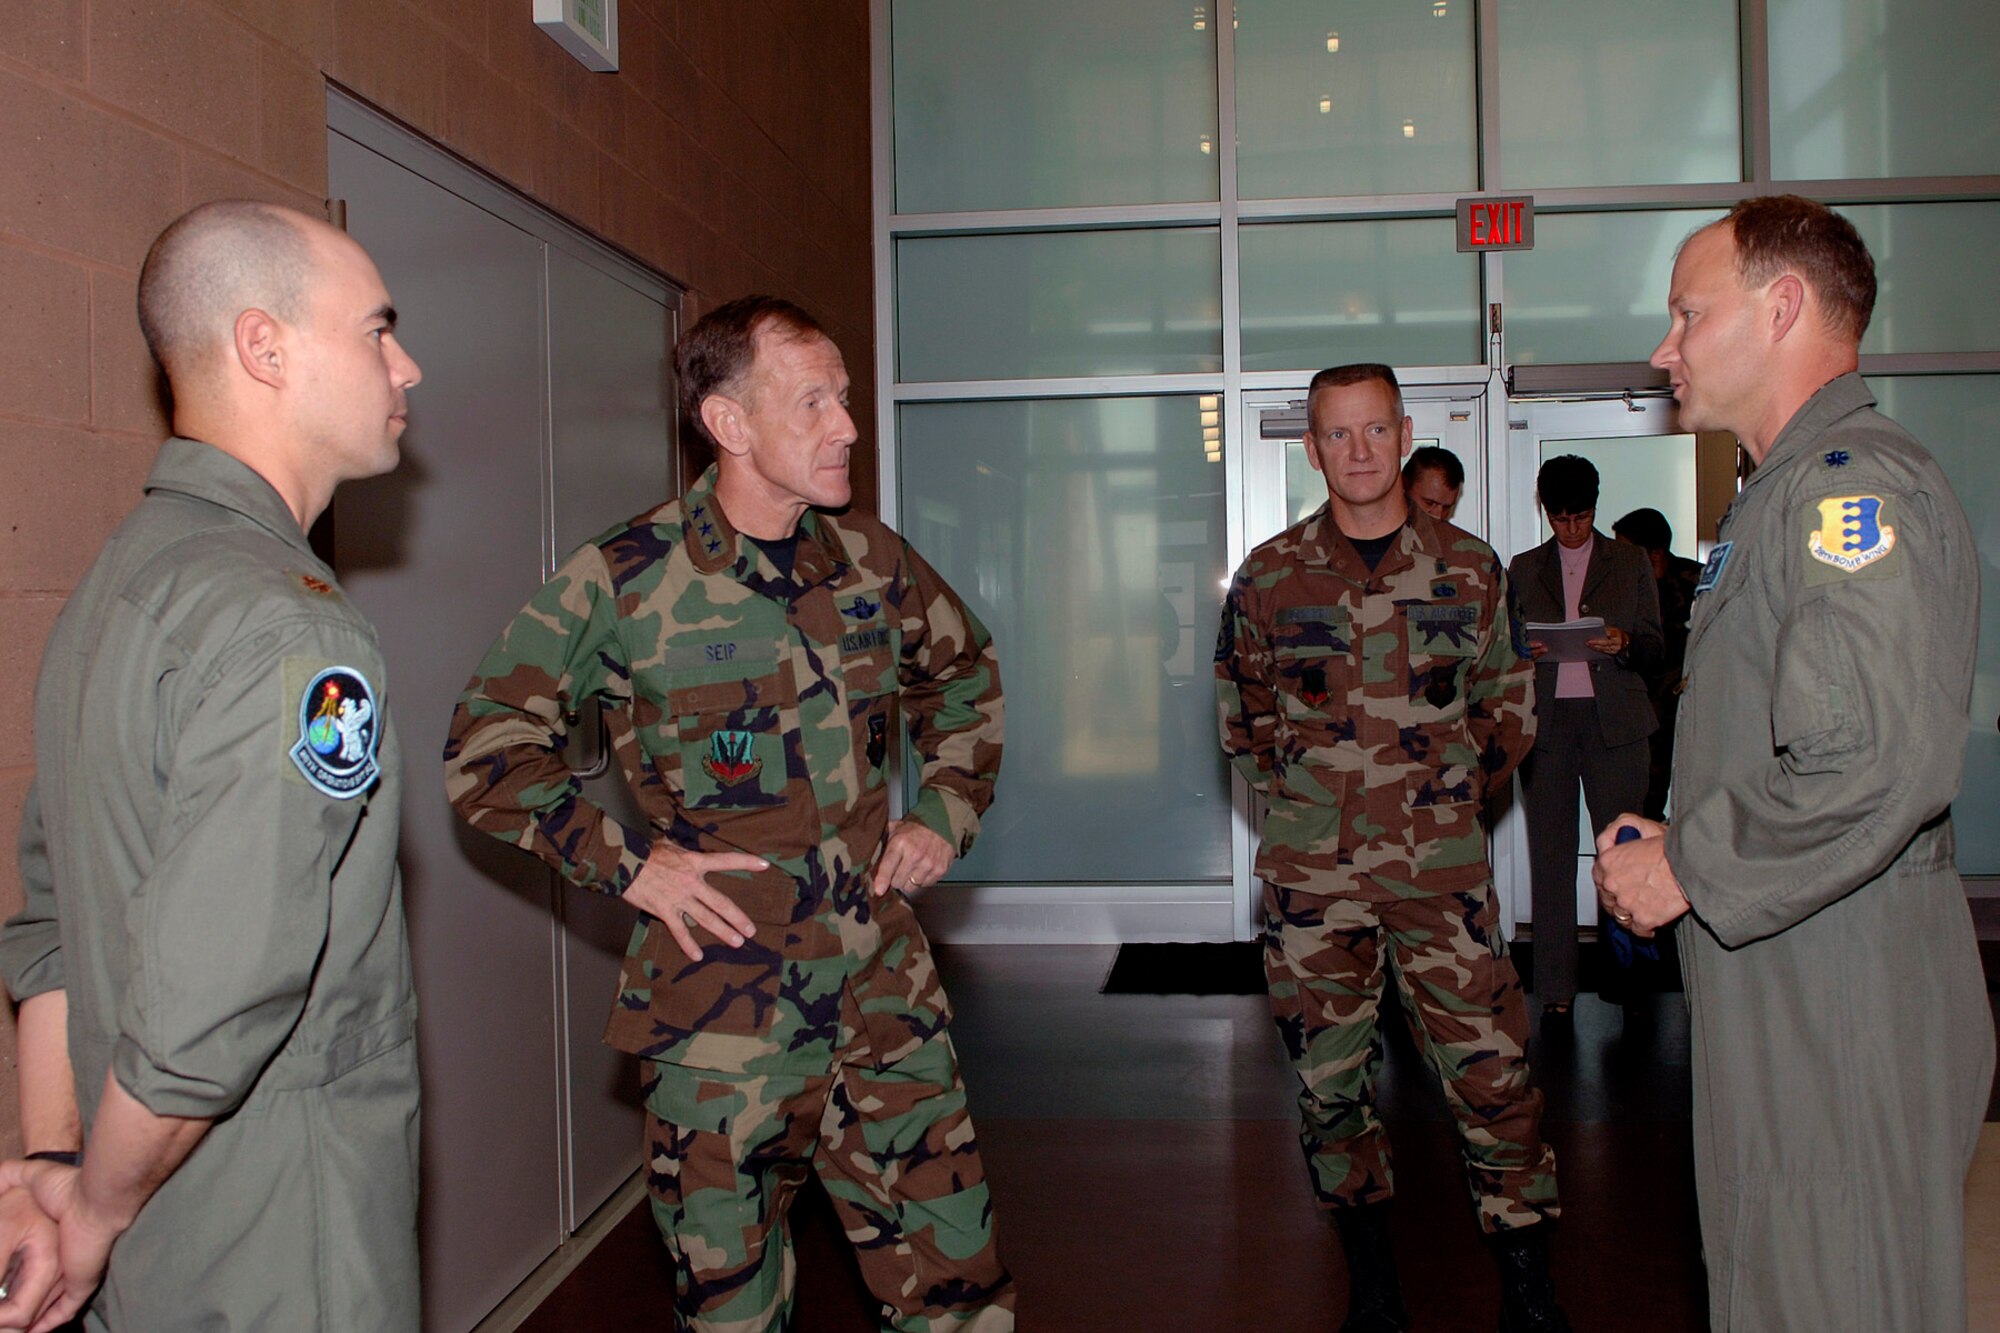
[
  {"x": 673, "y": 884},
  {"x": 62, "y": 1245}
]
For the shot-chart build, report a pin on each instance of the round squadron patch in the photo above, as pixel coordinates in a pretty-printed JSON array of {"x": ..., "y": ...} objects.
[{"x": 338, "y": 734}]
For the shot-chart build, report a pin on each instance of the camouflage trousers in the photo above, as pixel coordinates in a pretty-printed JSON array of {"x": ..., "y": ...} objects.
[
  {"x": 1324, "y": 960},
  {"x": 894, "y": 1147}
]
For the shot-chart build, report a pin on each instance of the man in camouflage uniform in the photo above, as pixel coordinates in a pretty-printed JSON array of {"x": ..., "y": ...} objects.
[
  {"x": 751, "y": 653},
  {"x": 1374, "y": 687}
]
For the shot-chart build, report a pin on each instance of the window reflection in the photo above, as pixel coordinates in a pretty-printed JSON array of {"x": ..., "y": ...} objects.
[
  {"x": 1089, "y": 535},
  {"x": 1594, "y": 94}
]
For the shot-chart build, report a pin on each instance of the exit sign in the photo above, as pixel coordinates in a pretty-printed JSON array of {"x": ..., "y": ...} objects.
[{"x": 1496, "y": 224}]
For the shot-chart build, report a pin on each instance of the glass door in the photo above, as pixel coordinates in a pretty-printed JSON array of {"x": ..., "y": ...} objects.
[{"x": 1643, "y": 460}]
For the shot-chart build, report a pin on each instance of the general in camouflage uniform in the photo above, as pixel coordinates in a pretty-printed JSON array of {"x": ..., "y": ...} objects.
[
  {"x": 752, "y": 708},
  {"x": 1375, "y": 708}
]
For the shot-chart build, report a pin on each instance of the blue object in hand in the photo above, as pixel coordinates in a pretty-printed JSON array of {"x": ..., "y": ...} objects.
[{"x": 1624, "y": 946}]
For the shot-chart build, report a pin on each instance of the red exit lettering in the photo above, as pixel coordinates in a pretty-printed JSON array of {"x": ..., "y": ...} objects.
[{"x": 1489, "y": 224}]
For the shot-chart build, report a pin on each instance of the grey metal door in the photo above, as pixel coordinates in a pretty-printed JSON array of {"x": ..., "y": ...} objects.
[{"x": 543, "y": 417}]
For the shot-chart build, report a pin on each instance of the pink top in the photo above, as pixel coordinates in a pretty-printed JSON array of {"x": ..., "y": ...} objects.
[{"x": 1573, "y": 678}]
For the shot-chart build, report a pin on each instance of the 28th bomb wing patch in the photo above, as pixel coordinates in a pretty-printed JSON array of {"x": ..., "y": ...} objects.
[{"x": 1850, "y": 534}]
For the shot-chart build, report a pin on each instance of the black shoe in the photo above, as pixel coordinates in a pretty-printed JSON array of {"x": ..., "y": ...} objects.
[
  {"x": 1374, "y": 1297},
  {"x": 1527, "y": 1294}
]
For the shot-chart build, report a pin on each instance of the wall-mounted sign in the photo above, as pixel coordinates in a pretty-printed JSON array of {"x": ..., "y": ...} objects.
[
  {"x": 1496, "y": 224},
  {"x": 587, "y": 29}
]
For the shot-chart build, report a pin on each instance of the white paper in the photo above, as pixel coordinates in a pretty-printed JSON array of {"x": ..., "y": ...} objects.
[{"x": 1568, "y": 641}]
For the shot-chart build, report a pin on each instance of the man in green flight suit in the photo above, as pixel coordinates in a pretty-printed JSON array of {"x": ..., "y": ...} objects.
[
  {"x": 215, "y": 986},
  {"x": 1374, "y": 686},
  {"x": 1843, "y": 1047},
  {"x": 752, "y": 653}
]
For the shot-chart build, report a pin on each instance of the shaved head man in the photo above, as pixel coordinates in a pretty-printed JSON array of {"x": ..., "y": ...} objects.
[{"x": 216, "y": 1008}]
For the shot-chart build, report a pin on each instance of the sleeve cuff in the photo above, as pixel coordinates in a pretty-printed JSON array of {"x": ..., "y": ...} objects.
[{"x": 948, "y": 816}]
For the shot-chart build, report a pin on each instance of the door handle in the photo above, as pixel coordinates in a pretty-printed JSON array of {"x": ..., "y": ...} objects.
[{"x": 593, "y": 759}]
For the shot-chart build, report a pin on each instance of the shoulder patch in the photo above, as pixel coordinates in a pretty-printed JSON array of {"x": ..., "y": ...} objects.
[
  {"x": 1849, "y": 534},
  {"x": 339, "y": 731},
  {"x": 1711, "y": 572}
]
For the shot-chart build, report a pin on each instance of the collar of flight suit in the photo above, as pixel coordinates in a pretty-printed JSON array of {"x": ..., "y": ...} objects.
[
  {"x": 1840, "y": 396},
  {"x": 1323, "y": 543},
  {"x": 714, "y": 545},
  {"x": 191, "y": 467}
]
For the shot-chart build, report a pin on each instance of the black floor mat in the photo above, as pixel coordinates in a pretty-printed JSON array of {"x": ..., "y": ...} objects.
[
  {"x": 1237, "y": 968},
  {"x": 1596, "y": 969},
  {"x": 1234, "y": 968}
]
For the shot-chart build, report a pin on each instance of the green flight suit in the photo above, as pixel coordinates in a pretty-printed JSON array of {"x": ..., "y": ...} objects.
[
  {"x": 1843, "y": 1048},
  {"x": 209, "y": 860}
]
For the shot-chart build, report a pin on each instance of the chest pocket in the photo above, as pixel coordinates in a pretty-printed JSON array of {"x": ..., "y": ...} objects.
[
  {"x": 869, "y": 651},
  {"x": 730, "y": 699},
  {"x": 1723, "y": 577},
  {"x": 1441, "y": 641},
  {"x": 868, "y": 659},
  {"x": 1312, "y": 651}
]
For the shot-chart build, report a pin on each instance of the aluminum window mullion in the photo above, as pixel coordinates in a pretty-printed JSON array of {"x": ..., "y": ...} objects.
[
  {"x": 1486, "y": 82},
  {"x": 1078, "y": 386},
  {"x": 1754, "y": 73},
  {"x": 1091, "y": 217},
  {"x": 882, "y": 115}
]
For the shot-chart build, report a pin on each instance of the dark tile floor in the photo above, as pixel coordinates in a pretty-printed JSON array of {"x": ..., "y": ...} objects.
[{"x": 1146, "y": 1173}]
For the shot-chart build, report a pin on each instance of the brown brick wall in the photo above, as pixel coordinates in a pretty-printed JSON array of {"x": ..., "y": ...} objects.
[{"x": 730, "y": 152}]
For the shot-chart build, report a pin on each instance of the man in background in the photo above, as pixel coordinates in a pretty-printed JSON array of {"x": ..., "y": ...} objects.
[
  {"x": 1674, "y": 578},
  {"x": 1374, "y": 686},
  {"x": 216, "y": 1001},
  {"x": 1842, "y": 1040},
  {"x": 1434, "y": 479}
]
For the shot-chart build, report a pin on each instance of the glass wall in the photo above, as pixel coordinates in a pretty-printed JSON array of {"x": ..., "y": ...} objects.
[
  {"x": 1090, "y": 536},
  {"x": 1107, "y": 227},
  {"x": 1594, "y": 288},
  {"x": 1321, "y": 293},
  {"x": 1043, "y": 103},
  {"x": 1957, "y": 417},
  {"x": 1860, "y": 88},
  {"x": 1354, "y": 98},
  {"x": 1058, "y": 303},
  {"x": 1595, "y": 94}
]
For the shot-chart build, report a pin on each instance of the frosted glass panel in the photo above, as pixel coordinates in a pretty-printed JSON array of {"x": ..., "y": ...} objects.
[
  {"x": 1936, "y": 291},
  {"x": 1958, "y": 417},
  {"x": 1041, "y": 103},
  {"x": 1595, "y": 94},
  {"x": 1089, "y": 535},
  {"x": 1594, "y": 288},
  {"x": 1637, "y": 472},
  {"x": 1864, "y": 88},
  {"x": 1354, "y": 97},
  {"x": 1324, "y": 293},
  {"x": 1059, "y": 303}
]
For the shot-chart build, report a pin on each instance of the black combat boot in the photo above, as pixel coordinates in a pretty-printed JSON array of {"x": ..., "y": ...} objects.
[
  {"x": 1374, "y": 1297},
  {"x": 1527, "y": 1294}
]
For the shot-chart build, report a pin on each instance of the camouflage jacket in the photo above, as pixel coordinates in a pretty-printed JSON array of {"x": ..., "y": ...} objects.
[
  {"x": 1374, "y": 712},
  {"x": 750, "y": 712}
]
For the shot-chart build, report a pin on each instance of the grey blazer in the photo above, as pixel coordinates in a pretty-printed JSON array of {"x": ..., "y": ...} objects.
[{"x": 1618, "y": 585}]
